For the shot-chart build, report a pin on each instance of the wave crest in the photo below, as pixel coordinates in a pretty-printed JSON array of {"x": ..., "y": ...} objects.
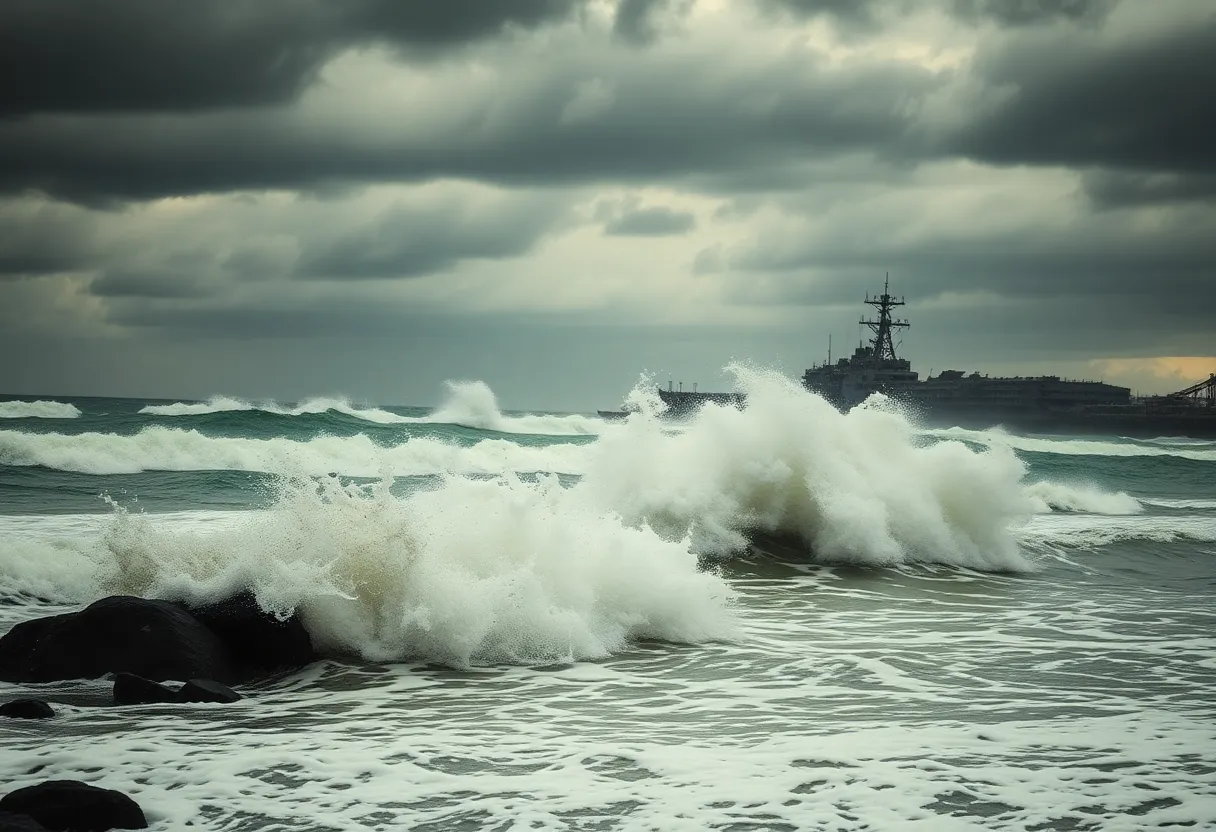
[{"x": 40, "y": 409}]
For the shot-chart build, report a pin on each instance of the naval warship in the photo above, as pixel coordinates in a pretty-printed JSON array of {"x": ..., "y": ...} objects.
[
  {"x": 954, "y": 398},
  {"x": 1036, "y": 404}
]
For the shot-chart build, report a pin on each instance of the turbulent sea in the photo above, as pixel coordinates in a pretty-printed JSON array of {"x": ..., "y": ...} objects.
[{"x": 780, "y": 618}]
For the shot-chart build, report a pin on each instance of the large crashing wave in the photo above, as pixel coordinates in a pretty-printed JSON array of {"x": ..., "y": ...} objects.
[
  {"x": 856, "y": 487},
  {"x": 475, "y": 572}
]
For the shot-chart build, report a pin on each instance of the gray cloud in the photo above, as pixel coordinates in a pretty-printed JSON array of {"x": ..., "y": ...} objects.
[
  {"x": 150, "y": 285},
  {"x": 42, "y": 239},
  {"x": 851, "y": 13},
  {"x": 125, "y": 55},
  {"x": 1118, "y": 189},
  {"x": 1090, "y": 102},
  {"x": 656, "y": 221},
  {"x": 671, "y": 127},
  {"x": 1027, "y": 12},
  {"x": 635, "y": 19},
  {"x": 413, "y": 241}
]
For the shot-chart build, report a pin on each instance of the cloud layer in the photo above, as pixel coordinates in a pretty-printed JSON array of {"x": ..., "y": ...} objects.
[{"x": 698, "y": 180}]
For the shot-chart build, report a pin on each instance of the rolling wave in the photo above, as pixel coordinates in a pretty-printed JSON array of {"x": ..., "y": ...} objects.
[
  {"x": 173, "y": 449},
  {"x": 1199, "y": 451},
  {"x": 468, "y": 404},
  {"x": 40, "y": 409}
]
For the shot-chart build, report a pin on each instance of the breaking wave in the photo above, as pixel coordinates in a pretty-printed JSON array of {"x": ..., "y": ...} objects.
[
  {"x": 40, "y": 409},
  {"x": 471, "y": 573},
  {"x": 172, "y": 449},
  {"x": 1200, "y": 451},
  {"x": 469, "y": 404},
  {"x": 222, "y": 404}
]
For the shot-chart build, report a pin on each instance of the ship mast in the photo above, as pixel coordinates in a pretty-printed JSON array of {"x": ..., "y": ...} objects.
[{"x": 884, "y": 348}]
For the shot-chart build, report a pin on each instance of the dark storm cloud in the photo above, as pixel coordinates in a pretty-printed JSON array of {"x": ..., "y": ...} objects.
[
  {"x": 1096, "y": 103},
  {"x": 410, "y": 242},
  {"x": 651, "y": 222},
  {"x": 1028, "y": 12},
  {"x": 1116, "y": 189},
  {"x": 40, "y": 240},
  {"x": 669, "y": 127},
  {"x": 118, "y": 284},
  {"x": 66, "y": 55}
]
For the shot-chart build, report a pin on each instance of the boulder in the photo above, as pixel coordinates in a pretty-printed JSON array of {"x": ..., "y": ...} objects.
[
  {"x": 71, "y": 805},
  {"x": 205, "y": 690},
  {"x": 10, "y": 822},
  {"x": 130, "y": 689},
  {"x": 27, "y": 709},
  {"x": 120, "y": 634},
  {"x": 259, "y": 643}
]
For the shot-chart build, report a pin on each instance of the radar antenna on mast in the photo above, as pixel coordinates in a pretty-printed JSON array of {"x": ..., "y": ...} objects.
[{"x": 882, "y": 345}]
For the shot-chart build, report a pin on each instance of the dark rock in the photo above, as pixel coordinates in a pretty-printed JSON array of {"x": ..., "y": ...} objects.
[
  {"x": 259, "y": 643},
  {"x": 130, "y": 689},
  {"x": 154, "y": 639},
  {"x": 10, "y": 822},
  {"x": 72, "y": 805},
  {"x": 205, "y": 690},
  {"x": 27, "y": 709}
]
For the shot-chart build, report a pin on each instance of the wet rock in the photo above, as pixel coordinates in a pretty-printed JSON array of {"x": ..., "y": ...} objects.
[
  {"x": 27, "y": 709},
  {"x": 205, "y": 690},
  {"x": 120, "y": 634},
  {"x": 130, "y": 689},
  {"x": 71, "y": 805},
  {"x": 259, "y": 643},
  {"x": 10, "y": 822}
]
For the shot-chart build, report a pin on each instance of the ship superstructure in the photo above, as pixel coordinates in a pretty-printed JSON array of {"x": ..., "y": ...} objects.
[
  {"x": 873, "y": 367},
  {"x": 951, "y": 395}
]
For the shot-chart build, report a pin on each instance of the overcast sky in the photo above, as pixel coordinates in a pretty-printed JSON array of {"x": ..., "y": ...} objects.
[{"x": 282, "y": 198}]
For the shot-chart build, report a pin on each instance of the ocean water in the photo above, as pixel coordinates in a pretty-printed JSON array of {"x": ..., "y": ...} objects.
[{"x": 780, "y": 618}]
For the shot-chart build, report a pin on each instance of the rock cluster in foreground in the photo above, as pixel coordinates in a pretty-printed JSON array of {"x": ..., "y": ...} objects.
[
  {"x": 60, "y": 805},
  {"x": 230, "y": 642}
]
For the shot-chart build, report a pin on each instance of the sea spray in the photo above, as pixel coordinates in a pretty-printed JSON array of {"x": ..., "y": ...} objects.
[
  {"x": 856, "y": 487},
  {"x": 472, "y": 572}
]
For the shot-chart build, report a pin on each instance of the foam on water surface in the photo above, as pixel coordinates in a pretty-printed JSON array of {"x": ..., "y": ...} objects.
[
  {"x": 894, "y": 701},
  {"x": 39, "y": 409},
  {"x": 469, "y": 404}
]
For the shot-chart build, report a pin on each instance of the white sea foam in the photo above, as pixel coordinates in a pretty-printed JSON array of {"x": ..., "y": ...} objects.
[
  {"x": 470, "y": 573},
  {"x": 1093, "y": 532},
  {"x": 320, "y": 404},
  {"x": 1203, "y": 452},
  {"x": 854, "y": 487},
  {"x": 1182, "y": 504},
  {"x": 40, "y": 409},
  {"x": 1054, "y": 496},
  {"x": 172, "y": 449},
  {"x": 468, "y": 404}
]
